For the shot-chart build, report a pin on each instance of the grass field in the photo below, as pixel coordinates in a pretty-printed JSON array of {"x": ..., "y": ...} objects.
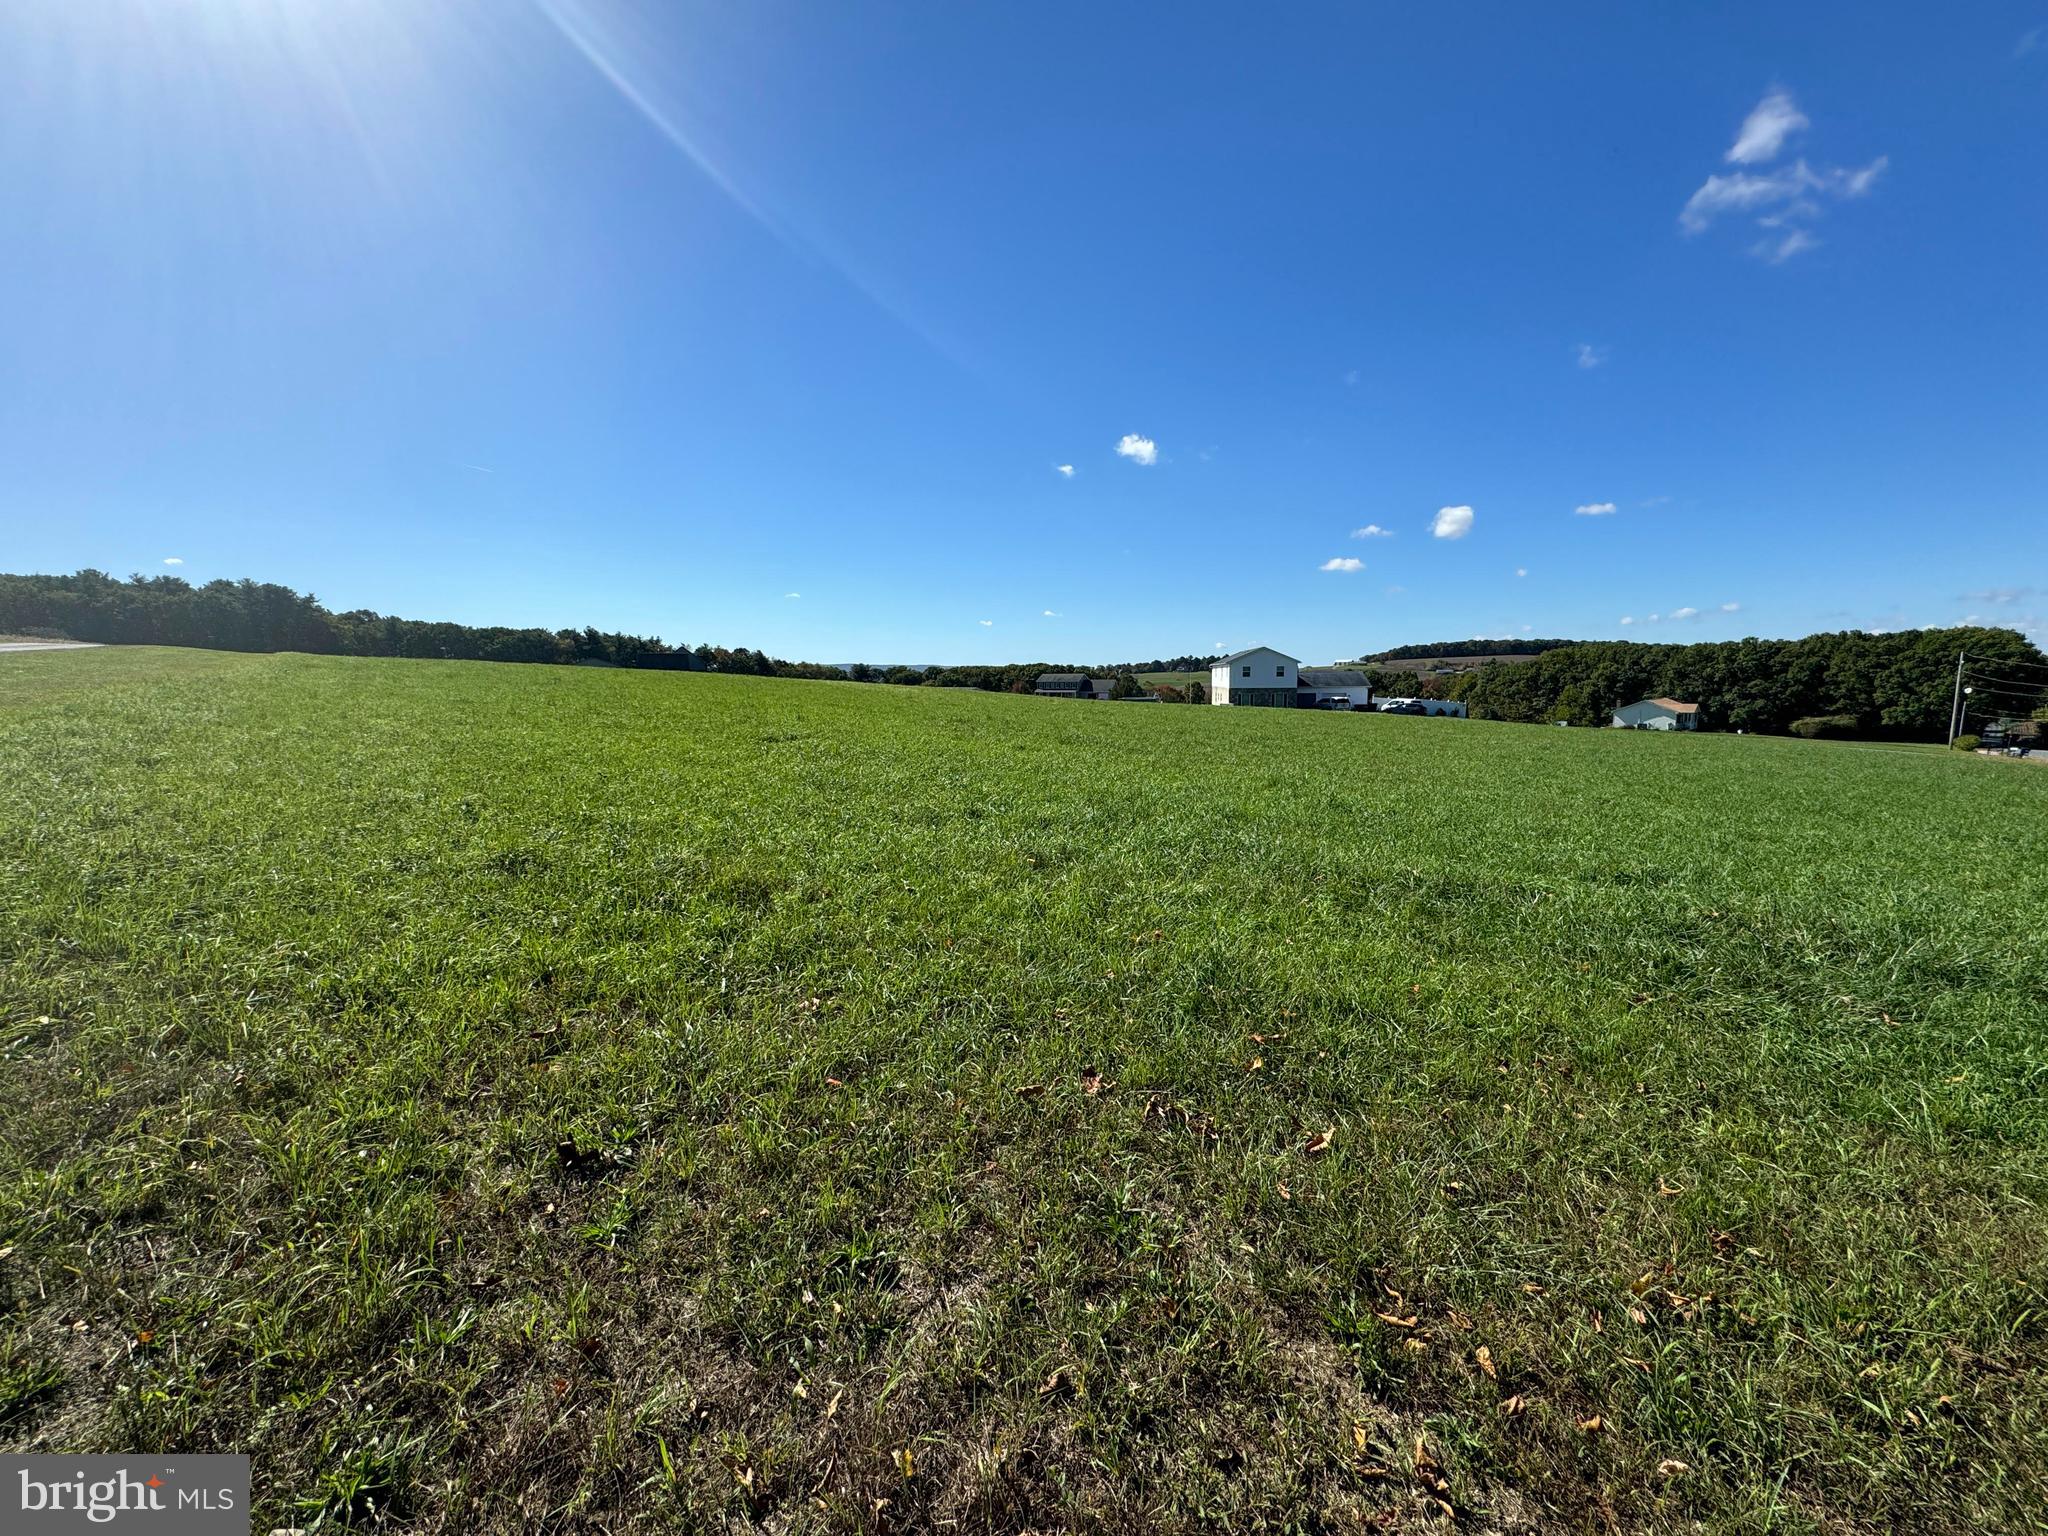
[{"x": 507, "y": 1099}]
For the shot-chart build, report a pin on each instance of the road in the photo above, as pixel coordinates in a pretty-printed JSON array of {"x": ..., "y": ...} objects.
[{"x": 49, "y": 645}]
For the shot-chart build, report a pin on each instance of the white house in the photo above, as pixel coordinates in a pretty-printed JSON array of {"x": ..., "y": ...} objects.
[
  {"x": 1325, "y": 683},
  {"x": 1658, "y": 715},
  {"x": 1260, "y": 676}
]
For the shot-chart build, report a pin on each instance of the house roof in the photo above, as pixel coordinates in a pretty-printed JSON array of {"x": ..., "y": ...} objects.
[
  {"x": 1332, "y": 677},
  {"x": 1062, "y": 679},
  {"x": 1254, "y": 651},
  {"x": 1673, "y": 705}
]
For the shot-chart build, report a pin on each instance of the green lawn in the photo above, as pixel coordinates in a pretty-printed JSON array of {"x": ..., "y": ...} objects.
[{"x": 507, "y": 1099}]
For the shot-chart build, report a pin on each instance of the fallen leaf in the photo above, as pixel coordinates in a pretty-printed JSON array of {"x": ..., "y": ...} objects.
[
  {"x": 1531, "y": 1288},
  {"x": 1360, "y": 1437},
  {"x": 1672, "y": 1467},
  {"x": 832, "y": 1408},
  {"x": 1395, "y": 1322},
  {"x": 1484, "y": 1357},
  {"x": 561, "y": 1386},
  {"x": 1667, "y": 1190},
  {"x": 1092, "y": 1083},
  {"x": 147, "y": 1337},
  {"x": 1591, "y": 1426},
  {"x": 1513, "y": 1405},
  {"x": 1255, "y": 1063},
  {"x": 1319, "y": 1143},
  {"x": 1638, "y": 1316},
  {"x": 1053, "y": 1383},
  {"x": 905, "y": 1463},
  {"x": 1284, "y": 1192},
  {"x": 1030, "y": 1090},
  {"x": 833, "y": 1082}
]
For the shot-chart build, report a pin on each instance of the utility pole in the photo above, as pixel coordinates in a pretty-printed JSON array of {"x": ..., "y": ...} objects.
[{"x": 1956, "y": 705}]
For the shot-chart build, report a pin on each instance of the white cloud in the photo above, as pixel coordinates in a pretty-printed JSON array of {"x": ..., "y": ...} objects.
[
  {"x": 792, "y": 594},
  {"x": 1345, "y": 563},
  {"x": 1521, "y": 570},
  {"x": 1595, "y": 509},
  {"x": 1591, "y": 356},
  {"x": 1685, "y": 613},
  {"x": 1652, "y": 618},
  {"x": 1050, "y": 614},
  {"x": 1452, "y": 522},
  {"x": 1772, "y": 121},
  {"x": 986, "y": 623},
  {"x": 1784, "y": 247},
  {"x": 1655, "y": 501},
  {"x": 1788, "y": 199},
  {"x": 173, "y": 560},
  {"x": 1731, "y": 607},
  {"x": 1139, "y": 450},
  {"x": 1628, "y": 618},
  {"x": 1372, "y": 531},
  {"x": 1065, "y": 471}
]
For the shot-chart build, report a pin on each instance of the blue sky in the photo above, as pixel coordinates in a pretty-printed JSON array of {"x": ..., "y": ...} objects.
[{"x": 658, "y": 315}]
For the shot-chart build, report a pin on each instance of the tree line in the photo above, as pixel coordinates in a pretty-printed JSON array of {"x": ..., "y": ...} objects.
[
  {"x": 1898, "y": 685},
  {"x": 263, "y": 616}
]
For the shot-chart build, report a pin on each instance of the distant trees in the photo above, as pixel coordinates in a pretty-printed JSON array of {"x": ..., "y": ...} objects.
[
  {"x": 260, "y": 616},
  {"x": 1895, "y": 685}
]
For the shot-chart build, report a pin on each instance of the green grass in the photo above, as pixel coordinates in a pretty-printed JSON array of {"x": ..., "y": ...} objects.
[{"x": 510, "y": 1099}]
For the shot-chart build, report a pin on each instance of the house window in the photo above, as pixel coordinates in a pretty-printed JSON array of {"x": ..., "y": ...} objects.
[
  {"x": 1279, "y": 671},
  {"x": 1247, "y": 671}
]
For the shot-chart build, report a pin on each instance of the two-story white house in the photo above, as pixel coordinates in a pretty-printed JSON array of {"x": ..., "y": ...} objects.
[{"x": 1261, "y": 676}]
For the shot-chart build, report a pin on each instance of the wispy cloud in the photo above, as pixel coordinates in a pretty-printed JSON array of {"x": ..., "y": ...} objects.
[
  {"x": 173, "y": 560},
  {"x": 1372, "y": 531},
  {"x": 1994, "y": 595},
  {"x": 1350, "y": 377},
  {"x": 1787, "y": 200},
  {"x": 986, "y": 623},
  {"x": 1064, "y": 471},
  {"x": 1452, "y": 522},
  {"x": 1345, "y": 563},
  {"x": 1591, "y": 356},
  {"x": 1784, "y": 247},
  {"x": 1521, "y": 570},
  {"x": 1770, "y": 122},
  {"x": 1628, "y": 618},
  {"x": 1731, "y": 607},
  {"x": 2029, "y": 41},
  {"x": 1595, "y": 509},
  {"x": 1654, "y": 501},
  {"x": 1139, "y": 450},
  {"x": 1395, "y": 591},
  {"x": 792, "y": 594},
  {"x": 1685, "y": 613},
  {"x": 1050, "y": 614}
]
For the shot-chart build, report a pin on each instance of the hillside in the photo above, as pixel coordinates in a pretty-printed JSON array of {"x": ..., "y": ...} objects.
[{"x": 521, "y": 1098}]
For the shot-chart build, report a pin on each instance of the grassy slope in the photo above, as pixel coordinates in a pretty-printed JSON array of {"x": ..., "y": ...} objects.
[{"x": 496, "y": 1093}]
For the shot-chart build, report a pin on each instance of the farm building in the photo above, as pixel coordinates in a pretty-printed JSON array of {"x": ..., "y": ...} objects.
[
  {"x": 1260, "y": 676},
  {"x": 1658, "y": 715},
  {"x": 1067, "y": 685},
  {"x": 1314, "y": 685}
]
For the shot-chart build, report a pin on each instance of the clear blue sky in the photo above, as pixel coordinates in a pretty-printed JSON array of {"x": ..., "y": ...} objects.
[{"x": 648, "y": 314}]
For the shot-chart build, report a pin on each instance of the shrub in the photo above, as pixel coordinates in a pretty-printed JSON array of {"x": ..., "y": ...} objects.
[
  {"x": 1812, "y": 726},
  {"x": 1965, "y": 743}
]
